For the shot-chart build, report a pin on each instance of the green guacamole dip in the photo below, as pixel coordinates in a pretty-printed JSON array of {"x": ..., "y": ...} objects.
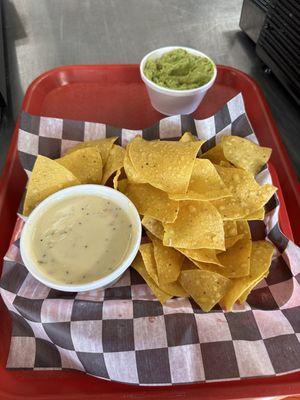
[{"x": 178, "y": 69}]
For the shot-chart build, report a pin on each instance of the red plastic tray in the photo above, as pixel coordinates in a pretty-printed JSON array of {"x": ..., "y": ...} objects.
[{"x": 115, "y": 94}]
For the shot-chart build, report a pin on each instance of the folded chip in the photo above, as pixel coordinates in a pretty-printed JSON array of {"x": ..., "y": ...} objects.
[
  {"x": 139, "y": 266},
  {"x": 47, "y": 177},
  {"x": 202, "y": 255},
  {"x": 114, "y": 162},
  {"x": 198, "y": 225},
  {"x": 260, "y": 261},
  {"x": 205, "y": 183},
  {"x": 245, "y": 154},
  {"x": 166, "y": 165},
  {"x": 152, "y": 202},
  {"x": 147, "y": 253},
  {"x": 85, "y": 164},
  {"x": 116, "y": 178},
  {"x": 130, "y": 171},
  {"x": 153, "y": 226},
  {"x": 103, "y": 145},
  {"x": 168, "y": 262},
  {"x": 206, "y": 288}
]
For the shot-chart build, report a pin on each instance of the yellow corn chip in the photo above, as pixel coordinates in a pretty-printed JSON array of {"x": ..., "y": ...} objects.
[
  {"x": 188, "y": 137},
  {"x": 168, "y": 262},
  {"x": 116, "y": 179},
  {"x": 205, "y": 183},
  {"x": 114, "y": 162},
  {"x": 248, "y": 196},
  {"x": 152, "y": 202},
  {"x": 246, "y": 293},
  {"x": 202, "y": 255},
  {"x": 206, "y": 288},
  {"x": 173, "y": 288},
  {"x": 245, "y": 154},
  {"x": 147, "y": 253},
  {"x": 85, "y": 164},
  {"x": 153, "y": 226},
  {"x": 130, "y": 171},
  {"x": 236, "y": 259},
  {"x": 243, "y": 229},
  {"x": 47, "y": 177},
  {"x": 188, "y": 265},
  {"x": 167, "y": 165},
  {"x": 215, "y": 154},
  {"x": 260, "y": 261},
  {"x": 198, "y": 225},
  {"x": 230, "y": 241},
  {"x": 139, "y": 266},
  {"x": 103, "y": 145},
  {"x": 256, "y": 215}
]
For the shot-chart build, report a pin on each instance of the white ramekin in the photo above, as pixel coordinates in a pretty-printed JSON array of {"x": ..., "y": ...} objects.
[
  {"x": 94, "y": 190},
  {"x": 171, "y": 101}
]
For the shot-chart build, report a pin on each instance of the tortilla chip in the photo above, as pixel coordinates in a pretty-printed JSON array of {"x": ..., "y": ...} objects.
[
  {"x": 231, "y": 241},
  {"x": 225, "y": 164},
  {"x": 248, "y": 196},
  {"x": 130, "y": 171},
  {"x": 103, "y": 145},
  {"x": 153, "y": 226},
  {"x": 206, "y": 288},
  {"x": 166, "y": 165},
  {"x": 168, "y": 262},
  {"x": 152, "y": 202},
  {"x": 236, "y": 259},
  {"x": 245, "y": 154},
  {"x": 47, "y": 177},
  {"x": 215, "y": 155},
  {"x": 116, "y": 178},
  {"x": 85, "y": 164},
  {"x": 260, "y": 261},
  {"x": 230, "y": 228},
  {"x": 205, "y": 183},
  {"x": 202, "y": 255},
  {"x": 139, "y": 266},
  {"x": 257, "y": 215},
  {"x": 198, "y": 225},
  {"x": 188, "y": 265},
  {"x": 114, "y": 162},
  {"x": 188, "y": 137},
  {"x": 147, "y": 253},
  {"x": 246, "y": 293},
  {"x": 243, "y": 229},
  {"x": 173, "y": 288}
]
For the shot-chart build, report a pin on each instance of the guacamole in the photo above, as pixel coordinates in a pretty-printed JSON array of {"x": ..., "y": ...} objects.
[{"x": 180, "y": 70}]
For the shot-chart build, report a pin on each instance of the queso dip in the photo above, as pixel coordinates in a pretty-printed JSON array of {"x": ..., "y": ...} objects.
[{"x": 81, "y": 239}]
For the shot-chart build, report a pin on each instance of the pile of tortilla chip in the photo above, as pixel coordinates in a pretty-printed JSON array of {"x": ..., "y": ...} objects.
[
  {"x": 88, "y": 162},
  {"x": 195, "y": 210},
  {"x": 195, "y": 213}
]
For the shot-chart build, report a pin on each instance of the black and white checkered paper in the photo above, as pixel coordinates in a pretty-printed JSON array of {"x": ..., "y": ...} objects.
[{"x": 123, "y": 333}]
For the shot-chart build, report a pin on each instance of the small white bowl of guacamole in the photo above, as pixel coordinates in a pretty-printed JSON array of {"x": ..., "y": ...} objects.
[
  {"x": 177, "y": 78},
  {"x": 81, "y": 238}
]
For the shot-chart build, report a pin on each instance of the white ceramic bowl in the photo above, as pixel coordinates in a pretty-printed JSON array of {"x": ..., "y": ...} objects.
[
  {"x": 171, "y": 101},
  {"x": 95, "y": 190}
]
